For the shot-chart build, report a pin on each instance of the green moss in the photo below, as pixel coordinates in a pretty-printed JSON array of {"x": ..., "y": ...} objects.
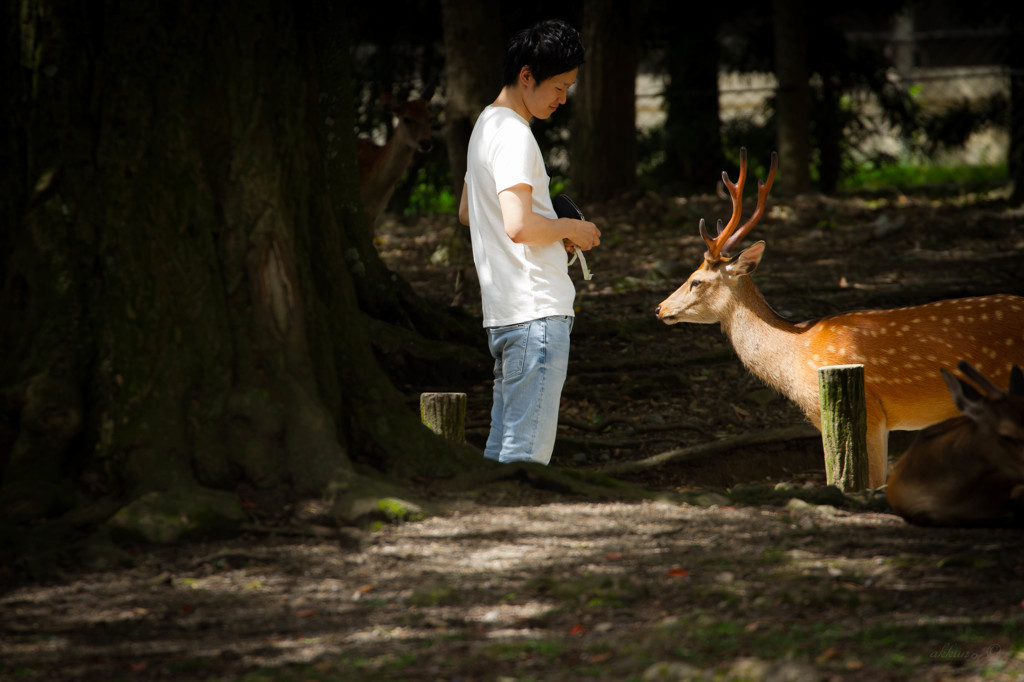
[
  {"x": 399, "y": 510},
  {"x": 166, "y": 517}
]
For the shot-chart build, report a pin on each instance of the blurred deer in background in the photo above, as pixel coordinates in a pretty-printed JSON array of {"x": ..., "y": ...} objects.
[
  {"x": 901, "y": 349},
  {"x": 381, "y": 167},
  {"x": 968, "y": 470}
]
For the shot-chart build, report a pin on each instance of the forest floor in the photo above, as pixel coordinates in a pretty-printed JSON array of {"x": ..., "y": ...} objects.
[{"x": 735, "y": 564}]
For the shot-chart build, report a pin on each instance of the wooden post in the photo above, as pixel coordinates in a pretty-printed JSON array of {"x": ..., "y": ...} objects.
[
  {"x": 445, "y": 414},
  {"x": 844, "y": 426}
]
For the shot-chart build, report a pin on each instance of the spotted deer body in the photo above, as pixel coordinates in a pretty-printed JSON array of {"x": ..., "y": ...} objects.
[
  {"x": 902, "y": 349},
  {"x": 967, "y": 470}
]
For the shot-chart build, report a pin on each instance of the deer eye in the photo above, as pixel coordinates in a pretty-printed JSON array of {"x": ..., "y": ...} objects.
[
  {"x": 1008, "y": 440},
  {"x": 694, "y": 283}
]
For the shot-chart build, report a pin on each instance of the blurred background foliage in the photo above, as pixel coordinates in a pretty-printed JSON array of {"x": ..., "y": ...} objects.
[{"x": 902, "y": 94}]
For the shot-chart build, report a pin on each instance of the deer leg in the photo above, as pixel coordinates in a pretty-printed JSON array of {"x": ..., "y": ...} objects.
[{"x": 878, "y": 450}]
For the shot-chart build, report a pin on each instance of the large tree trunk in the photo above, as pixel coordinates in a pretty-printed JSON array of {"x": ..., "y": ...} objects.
[
  {"x": 176, "y": 303},
  {"x": 603, "y": 141},
  {"x": 417, "y": 341}
]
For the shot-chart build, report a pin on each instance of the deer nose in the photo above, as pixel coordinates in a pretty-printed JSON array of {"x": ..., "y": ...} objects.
[{"x": 657, "y": 311}]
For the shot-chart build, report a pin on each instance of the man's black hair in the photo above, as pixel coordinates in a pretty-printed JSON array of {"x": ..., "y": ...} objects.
[{"x": 548, "y": 48}]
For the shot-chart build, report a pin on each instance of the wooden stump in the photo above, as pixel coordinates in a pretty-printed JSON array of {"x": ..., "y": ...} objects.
[
  {"x": 445, "y": 414},
  {"x": 844, "y": 426}
]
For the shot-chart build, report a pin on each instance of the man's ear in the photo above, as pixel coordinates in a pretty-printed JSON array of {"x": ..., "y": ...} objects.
[{"x": 525, "y": 76}]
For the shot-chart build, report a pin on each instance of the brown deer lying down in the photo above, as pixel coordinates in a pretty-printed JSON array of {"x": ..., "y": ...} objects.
[
  {"x": 902, "y": 350},
  {"x": 968, "y": 470}
]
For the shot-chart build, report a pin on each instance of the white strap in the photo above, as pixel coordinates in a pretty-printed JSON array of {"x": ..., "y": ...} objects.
[{"x": 576, "y": 253}]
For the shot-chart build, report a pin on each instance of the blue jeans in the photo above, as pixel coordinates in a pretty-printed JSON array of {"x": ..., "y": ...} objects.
[{"x": 530, "y": 363}]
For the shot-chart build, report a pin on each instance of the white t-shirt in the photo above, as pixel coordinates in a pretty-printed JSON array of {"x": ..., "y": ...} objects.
[{"x": 518, "y": 283}]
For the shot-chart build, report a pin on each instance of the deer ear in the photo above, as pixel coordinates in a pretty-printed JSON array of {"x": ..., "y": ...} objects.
[
  {"x": 965, "y": 396},
  {"x": 1016, "y": 381},
  {"x": 747, "y": 261}
]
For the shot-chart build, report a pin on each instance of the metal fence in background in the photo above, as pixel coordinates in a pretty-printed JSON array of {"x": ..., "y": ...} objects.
[{"x": 942, "y": 68}]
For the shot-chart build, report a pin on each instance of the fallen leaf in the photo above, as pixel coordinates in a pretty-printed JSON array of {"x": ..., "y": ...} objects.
[
  {"x": 577, "y": 629},
  {"x": 679, "y": 573}
]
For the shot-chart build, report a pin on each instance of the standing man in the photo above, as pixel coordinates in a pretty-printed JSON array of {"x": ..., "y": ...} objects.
[{"x": 521, "y": 247}]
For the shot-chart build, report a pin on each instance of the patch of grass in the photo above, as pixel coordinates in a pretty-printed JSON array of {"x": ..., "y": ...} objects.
[
  {"x": 592, "y": 591},
  {"x": 774, "y": 556},
  {"x": 706, "y": 638},
  {"x": 514, "y": 651},
  {"x": 908, "y": 174},
  {"x": 435, "y": 595},
  {"x": 427, "y": 197}
]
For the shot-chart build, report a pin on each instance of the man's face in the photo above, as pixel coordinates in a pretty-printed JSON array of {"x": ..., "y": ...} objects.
[{"x": 542, "y": 99}]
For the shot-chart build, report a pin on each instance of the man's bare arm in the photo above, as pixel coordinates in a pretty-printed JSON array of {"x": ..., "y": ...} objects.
[
  {"x": 464, "y": 206},
  {"x": 523, "y": 226}
]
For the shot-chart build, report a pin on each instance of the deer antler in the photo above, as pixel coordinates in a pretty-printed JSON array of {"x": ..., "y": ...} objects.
[{"x": 729, "y": 236}]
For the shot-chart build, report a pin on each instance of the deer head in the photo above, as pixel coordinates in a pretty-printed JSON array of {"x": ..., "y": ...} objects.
[
  {"x": 414, "y": 129},
  {"x": 707, "y": 292},
  {"x": 997, "y": 414}
]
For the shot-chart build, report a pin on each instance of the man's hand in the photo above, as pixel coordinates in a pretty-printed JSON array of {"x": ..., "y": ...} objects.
[{"x": 585, "y": 234}]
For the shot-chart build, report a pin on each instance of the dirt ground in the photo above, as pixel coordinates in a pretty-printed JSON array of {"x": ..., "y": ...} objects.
[{"x": 738, "y": 565}]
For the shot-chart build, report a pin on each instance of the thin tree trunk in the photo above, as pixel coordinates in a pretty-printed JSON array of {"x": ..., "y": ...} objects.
[
  {"x": 1016, "y": 64},
  {"x": 793, "y": 99},
  {"x": 603, "y": 142},
  {"x": 474, "y": 51},
  {"x": 694, "y": 158}
]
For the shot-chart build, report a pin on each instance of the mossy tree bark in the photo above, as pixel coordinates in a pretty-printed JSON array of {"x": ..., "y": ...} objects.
[
  {"x": 445, "y": 414},
  {"x": 844, "y": 426},
  {"x": 177, "y": 306}
]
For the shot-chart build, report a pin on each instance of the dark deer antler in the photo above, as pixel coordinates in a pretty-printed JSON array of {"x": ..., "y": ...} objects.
[{"x": 729, "y": 236}]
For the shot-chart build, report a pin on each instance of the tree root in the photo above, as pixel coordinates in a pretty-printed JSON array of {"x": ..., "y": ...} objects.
[{"x": 702, "y": 450}]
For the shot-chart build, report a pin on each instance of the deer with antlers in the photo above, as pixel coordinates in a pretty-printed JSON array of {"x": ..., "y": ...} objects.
[
  {"x": 901, "y": 349},
  {"x": 968, "y": 470},
  {"x": 382, "y": 166}
]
